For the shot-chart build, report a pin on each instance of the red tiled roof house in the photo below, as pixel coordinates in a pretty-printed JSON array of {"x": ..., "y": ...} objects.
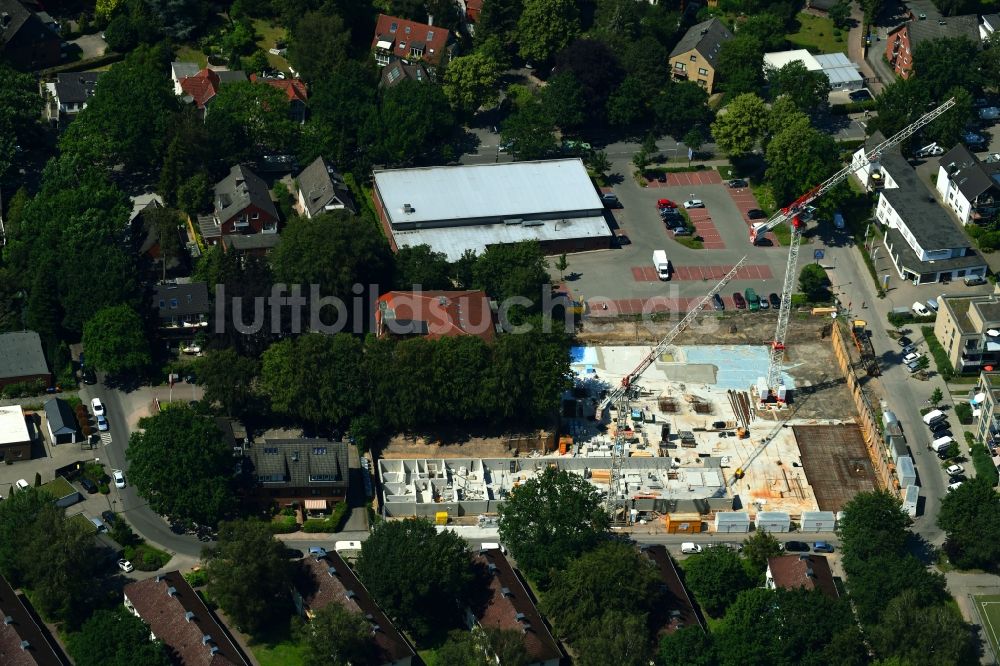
[
  {"x": 397, "y": 38},
  {"x": 435, "y": 314}
]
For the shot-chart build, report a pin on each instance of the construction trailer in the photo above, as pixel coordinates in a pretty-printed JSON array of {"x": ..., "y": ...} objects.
[
  {"x": 683, "y": 523},
  {"x": 732, "y": 522},
  {"x": 911, "y": 497},
  {"x": 818, "y": 521},
  {"x": 905, "y": 472},
  {"x": 773, "y": 521}
]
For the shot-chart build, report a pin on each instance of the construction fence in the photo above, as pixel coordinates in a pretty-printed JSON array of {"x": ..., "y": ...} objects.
[{"x": 867, "y": 415}]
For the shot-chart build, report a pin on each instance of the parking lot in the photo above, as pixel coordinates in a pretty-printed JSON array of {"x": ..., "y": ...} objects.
[{"x": 624, "y": 280}]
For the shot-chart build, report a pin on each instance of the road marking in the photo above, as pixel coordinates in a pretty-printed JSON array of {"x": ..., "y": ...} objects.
[{"x": 105, "y": 438}]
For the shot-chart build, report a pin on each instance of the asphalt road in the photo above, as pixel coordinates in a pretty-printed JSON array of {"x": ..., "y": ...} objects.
[{"x": 146, "y": 522}]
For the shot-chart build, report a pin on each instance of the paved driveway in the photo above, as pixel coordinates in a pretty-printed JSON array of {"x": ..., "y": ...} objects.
[{"x": 91, "y": 46}]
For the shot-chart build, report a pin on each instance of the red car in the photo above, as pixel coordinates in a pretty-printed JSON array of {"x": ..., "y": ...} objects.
[
  {"x": 739, "y": 301},
  {"x": 665, "y": 203}
]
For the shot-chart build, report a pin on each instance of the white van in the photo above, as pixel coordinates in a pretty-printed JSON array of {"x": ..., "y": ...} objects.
[
  {"x": 941, "y": 443},
  {"x": 920, "y": 309},
  {"x": 936, "y": 416},
  {"x": 22, "y": 484},
  {"x": 661, "y": 264}
]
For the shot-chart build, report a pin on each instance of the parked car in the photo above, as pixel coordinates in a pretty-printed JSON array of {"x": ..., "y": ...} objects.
[
  {"x": 929, "y": 150},
  {"x": 718, "y": 303},
  {"x": 822, "y": 547},
  {"x": 670, "y": 214},
  {"x": 908, "y": 349},
  {"x": 974, "y": 280},
  {"x": 661, "y": 177},
  {"x": 88, "y": 485},
  {"x": 954, "y": 486},
  {"x": 97, "y": 406},
  {"x": 954, "y": 470},
  {"x": 739, "y": 301},
  {"x": 737, "y": 182},
  {"x": 89, "y": 377},
  {"x": 756, "y": 214},
  {"x": 796, "y": 547},
  {"x": 694, "y": 203},
  {"x": 119, "y": 478},
  {"x": 109, "y": 517},
  {"x": 125, "y": 566},
  {"x": 775, "y": 300},
  {"x": 764, "y": 305},
  {"x": 680, "y": 231},
  {"x": 689, "y": 548},
  {"x": 838, "y": 220},
  {"x": 919, "y": 309},
  {"x": 610, "y": 199},
  {"x": 912, "y": 356},
  {"x": 102, "y": 423},
  {"x": 989, "y": 113},
  {"x": 939, "y": 427},
  {"x": 665, "y": 203},
  {"x": 972, "y": 139},
  {"x": 904, "y": 341},
  {"x": 912, "y": 366}
]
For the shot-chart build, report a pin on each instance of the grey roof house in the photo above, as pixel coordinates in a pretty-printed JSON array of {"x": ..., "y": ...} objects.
[
  {"x": 968, "y": 186},
  {"x": 319, "y": 188},
  {"x": 242, "y": 205},
  {"x": 303, "y": 469},
  {"x": 401, "y": 70},
  {"x": 22, "y": 359},
  {"x": 695, "y": 56},
  {"x": 60, "y": 421},
  {"x": 69, "y": 93},
  {"x": 26, "y": 42},
  {"x": 182, "y": 307}
]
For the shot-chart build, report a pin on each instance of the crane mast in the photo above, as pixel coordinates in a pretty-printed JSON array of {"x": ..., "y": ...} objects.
[
  {"x": 622, "y": 394},
  {"x": 770, "y": 389}
]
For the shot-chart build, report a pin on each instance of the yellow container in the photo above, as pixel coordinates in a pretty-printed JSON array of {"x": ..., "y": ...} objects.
[{"x": 441, "y": 518}]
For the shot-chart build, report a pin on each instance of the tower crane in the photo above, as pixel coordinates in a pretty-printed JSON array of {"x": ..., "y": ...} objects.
[
  {"x": 770, "y": 389},
  {"x": 622, "y": 394}
]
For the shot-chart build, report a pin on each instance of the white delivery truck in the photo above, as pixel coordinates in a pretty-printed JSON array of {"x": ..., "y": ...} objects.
[
  {"x": 935, "y": 416},
  {"x": 941, "y": 443},
  {"x": 661, "y": 264}
]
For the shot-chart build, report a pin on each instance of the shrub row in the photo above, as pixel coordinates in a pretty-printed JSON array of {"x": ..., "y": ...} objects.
[{"x": 937, "y": 351}]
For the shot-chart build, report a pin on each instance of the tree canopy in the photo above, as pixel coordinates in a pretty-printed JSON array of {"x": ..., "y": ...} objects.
[
  {"x": 335, "y": 636},
  {"x": 115, "y": 340},
  {"x": 742, "y": 127},
  {"x": 20, "y": 107},
  {"x": 545, "y": 27},
  {"x": 249, "y": 574},
  {"x": 970, "y": 516},
  {"x": 813, "y": 282},
  {"x": 115, "y": 638},
  {"x": 419, "y": 576},
  {"x": 716, "y": 577},
  {"x": 178, "y": 444},
  {"x": 807, "y": 89},
  {"x": 551, "y": 519}
]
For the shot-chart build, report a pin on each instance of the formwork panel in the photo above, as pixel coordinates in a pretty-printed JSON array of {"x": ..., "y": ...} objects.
[{"x": 835, "y": 462}]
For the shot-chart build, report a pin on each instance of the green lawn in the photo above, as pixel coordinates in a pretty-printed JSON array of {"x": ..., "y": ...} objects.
[
  {"x": 58, "y": 487},
  {"x": 278, "y": 648},
  {"x": 190, "y": 54},
  {"x": 816, "y": 34},
  {"x": 268, "y": 34},
  {"x": 989, "y": 610}
]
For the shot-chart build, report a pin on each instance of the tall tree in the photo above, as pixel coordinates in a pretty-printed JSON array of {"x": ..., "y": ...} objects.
[
  {"x": 680, "y": 107},
  {"x": 418, "y": 576},
  {"x": 799, "y": 158},
  {"x": 580, "y": 595},
  {"x": 343, "y": 115},
  {"x": 512, "y": 269},
  {"x": 471, "y": 81},
  {"x": 617, "y": 638},
  {"x": 228, "y": 379},
  {"x": 529, "y": 132},
  {"x": 315, "y": 378},
  {"x": 318, "y": 44},
  {"x": 741, "y": 65},
  {"x": 179, "y": 444},
  {"x": 421, "y": 266},
  {"x": 807, "y": 89},
  {"x": 252, "y": 590},
  {"x": 20, "y": 108},
  {"x": 716, "y": 577},
  {"x": 335, "y": 636},
  {"x": 873, "y": 523},
  {"x": 545, "y": 27},
  {"x": 565, "y": 101},
  {"x": 499, "y": 20},
  {"x": 743, "y": 125},
  {"x": 115, "y": 638},
  {"x": 102, "y": 134},
  {"x": 550, "y": 519},
  {"x": 595, "y": 66},
  {"x": 248, "y": 117},
  {"x": 970, "y": 516},
  {"x": 19, "y": 514},
  {"x": 902, "y": 634},
  {"x": 757, "y": 549},
  {"x": 116, "y": 342},
  {"x": 943, "y": 64},
  {"x": 688, "y": 646},
  {"x": 414, "y": 121}
]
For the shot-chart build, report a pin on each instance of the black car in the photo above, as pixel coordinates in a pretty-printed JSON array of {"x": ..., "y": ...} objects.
[
  {"x": 940, "y": 427},
  {"x": 88, "y": 485},
  {"x": 774, "y": 300},
  {"x": 718, "y": 303},
  {"x": 89, "y": 377},
  {"x": 796, "y": 547},
  {"x": 904, "y": 341},
  {"x": 737, "y": 182},
  {"x": 662, "y": 177},
  {"x": 109, "y": 517},
  {"x": 756, "y": 214}
]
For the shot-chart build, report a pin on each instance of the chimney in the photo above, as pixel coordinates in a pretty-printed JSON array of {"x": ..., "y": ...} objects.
[
  {"x": 189, "y": 616},
  {"x": 171, "y": 591},
  {"x": 7, "y": 619},
  {"x": 25, "y": 646},
  {"x": 332, "y": 571},
  {"x": 206, "y": 639}
]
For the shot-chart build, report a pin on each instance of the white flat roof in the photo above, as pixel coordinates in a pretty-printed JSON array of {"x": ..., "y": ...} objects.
[
  {"x": 13, "y": 428},
  {"x": 778, "y": 59},
  {"x": 454, "y": 241},
  {"x": 511, "y": 190}
]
